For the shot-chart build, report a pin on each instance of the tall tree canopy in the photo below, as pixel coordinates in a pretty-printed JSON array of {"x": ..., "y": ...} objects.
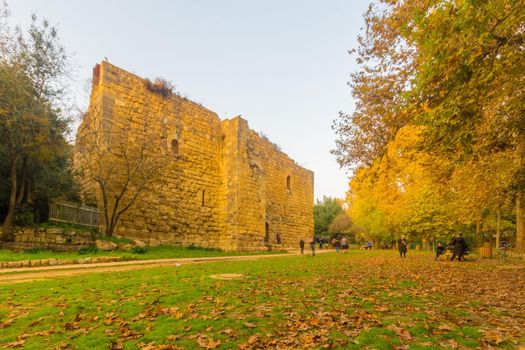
[
  {"x": 325, "y": 212},
  {"x": 454, "y": 68},
  {"x": 34, "y": 151}
]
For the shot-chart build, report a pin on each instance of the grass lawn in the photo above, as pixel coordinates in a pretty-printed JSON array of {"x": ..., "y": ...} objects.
[
  {"x": 161, "y": 252},
  {"x": 364, "y": 299}
]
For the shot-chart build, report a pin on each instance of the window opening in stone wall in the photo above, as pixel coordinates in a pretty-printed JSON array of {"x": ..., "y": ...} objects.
[
  {"x": 175, "y": 147},
  {"x": 267, "y": 233},
  {"x": 202, "y": 197},
  {"x": 288, "y": 185}
]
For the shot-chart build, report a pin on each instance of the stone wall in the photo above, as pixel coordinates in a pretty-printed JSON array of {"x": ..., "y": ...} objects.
[
  {"x": 269, "y": 195},
  {"x": 49, "y": 238},
  {"x": 222, "y": 185}
]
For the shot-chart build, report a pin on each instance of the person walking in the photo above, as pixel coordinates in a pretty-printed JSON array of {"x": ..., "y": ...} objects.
[
  {"x": 502, "y": 249},
  {"x": 402, "y": 246},
  {"x": 336, "y": 244},
  {"x": 301, "y": 245},
  {"x": 344, "y": 244},
  {"x": 459, "y": 247},
  {"x": 312, "y": 245},
  {"x": 440, "y": 250}
]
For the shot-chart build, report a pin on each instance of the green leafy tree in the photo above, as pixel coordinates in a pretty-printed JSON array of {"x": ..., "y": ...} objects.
[
  {"x": 325, "y": 212},
  {"x": 32, "y": 124}
]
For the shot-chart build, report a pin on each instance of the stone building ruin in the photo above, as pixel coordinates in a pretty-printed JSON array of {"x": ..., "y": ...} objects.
[{"x": 221, "y": 184}]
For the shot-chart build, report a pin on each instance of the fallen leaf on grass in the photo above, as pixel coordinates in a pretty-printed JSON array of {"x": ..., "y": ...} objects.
[
  {"x": 405, "y": 335},
  {"x": 165, "y": 347},
  {"x": 253, "y": 339},
  {"x": 208, "y": 343},
  {"x": 109, "y": 332},
  {"x": 6, "y": 324},
  {"x": 37, "y": 321},
  {"x": 446, "y": 327},
  {"x": 15, "y": 344},
  {"x": 493, "y": 337},
  {"x": 149, "y": 346},
  {"x": 400, "y": 332},
  {"x": 68, "y": 326},
  {"x": 45, "y": 333},
  {"x": 227, "y": 331},
  {"x": 451, "y": 344},
  {"x": 174, "y": 311},
  {"x": 116, "y": 346}
]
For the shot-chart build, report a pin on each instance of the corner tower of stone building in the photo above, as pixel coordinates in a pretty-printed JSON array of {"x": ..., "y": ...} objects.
[{"x": 221, "y": 184}]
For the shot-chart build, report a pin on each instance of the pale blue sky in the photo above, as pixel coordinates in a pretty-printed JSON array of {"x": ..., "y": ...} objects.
[{"x": 281, "y": 64}]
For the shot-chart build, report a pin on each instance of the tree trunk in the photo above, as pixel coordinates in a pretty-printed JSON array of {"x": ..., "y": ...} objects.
[
  {"x": 478, "y": 233},
  {"x": 8, "y": 221},
  {"x": 498, "y": 227},
  {"x": 23, "y": 181},
  {"x": 21, "y": 192},
  {"x": 28, "y": 198},
  {"x": 520, "y": 199},
  {"x": 520, "y": 221}
]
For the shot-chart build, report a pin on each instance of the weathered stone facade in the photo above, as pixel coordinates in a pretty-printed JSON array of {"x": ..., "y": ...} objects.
[{"x": 223, "y": 184}]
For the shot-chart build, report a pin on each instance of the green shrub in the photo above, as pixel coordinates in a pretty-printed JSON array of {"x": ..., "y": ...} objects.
[
  {"x": 138, "y": 250},
  {"x": 88, "y": 250},
  {"x": 196, "y": 247},
  {"x": 115, "y": 239},
  {"x": 35, "y": 250},
  {"x": 25, "y": 216},
  {"x": 68, "y": 226}
]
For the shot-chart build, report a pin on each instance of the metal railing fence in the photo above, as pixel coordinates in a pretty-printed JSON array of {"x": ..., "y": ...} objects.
[{"x": 74, "y": 214}]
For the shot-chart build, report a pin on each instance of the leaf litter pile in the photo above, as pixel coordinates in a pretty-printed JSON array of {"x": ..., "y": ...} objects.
[{"x": 360, "y": 300}]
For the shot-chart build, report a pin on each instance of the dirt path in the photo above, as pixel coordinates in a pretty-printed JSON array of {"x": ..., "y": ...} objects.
[{"x": 20, "y": 275}]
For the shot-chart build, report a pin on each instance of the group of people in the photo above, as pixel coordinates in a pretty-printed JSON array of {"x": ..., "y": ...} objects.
[
  {"x": 457, "y": 245},
  {"x": 336, "y": 243},
  {"x": 340, "y": 244}
]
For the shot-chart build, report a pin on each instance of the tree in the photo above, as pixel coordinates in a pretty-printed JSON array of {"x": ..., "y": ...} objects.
[
  {"x": 480, "y": 189},
  {"x": 402, "y": 193},
  {"x": 454, "y": 67},
  {"x": 364, "y": 204},
  {"x": 341, "y": 225},
  {"x": 472, "y": 93},
  {"x": 324, "y": 213},
  {"x": 118, "y": 166},
  {"x": 32, "y": 126}
]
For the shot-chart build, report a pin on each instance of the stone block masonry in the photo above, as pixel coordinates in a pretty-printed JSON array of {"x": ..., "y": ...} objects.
[
  {"x": 223, "y": 185},
  {"x": 55, "y": 238}
]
